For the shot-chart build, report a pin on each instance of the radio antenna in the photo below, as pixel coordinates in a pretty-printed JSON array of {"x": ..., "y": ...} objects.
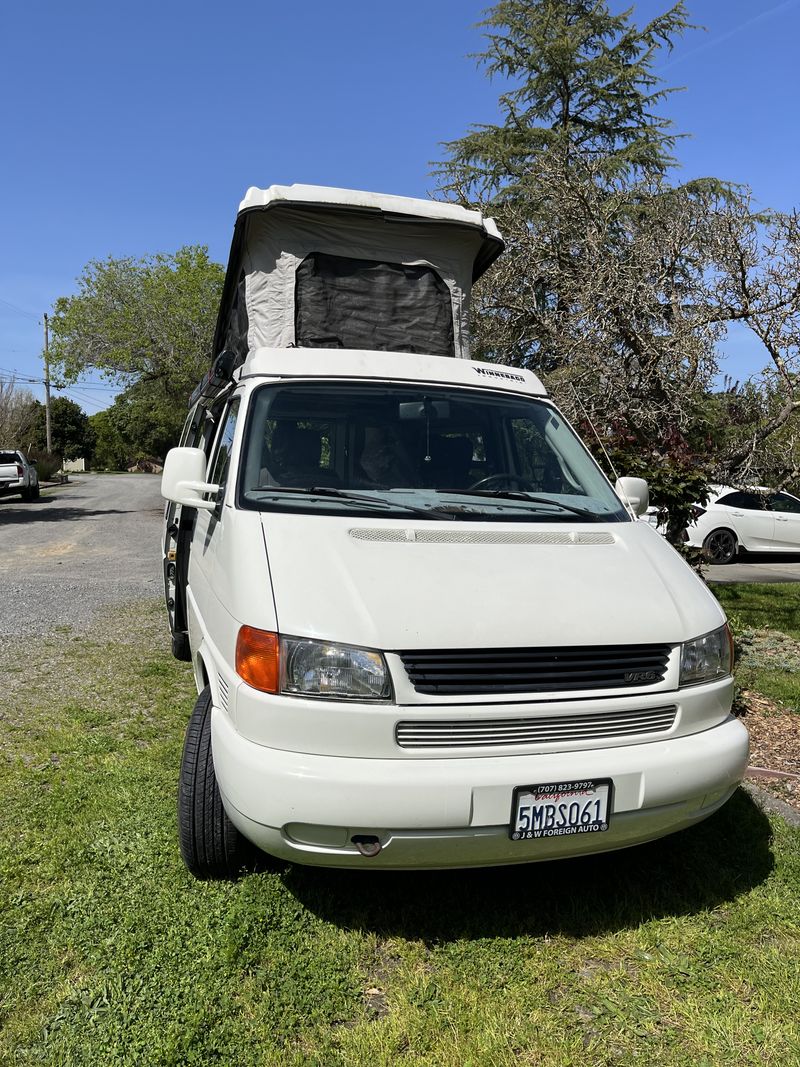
[{"x": 602, "y": 446}]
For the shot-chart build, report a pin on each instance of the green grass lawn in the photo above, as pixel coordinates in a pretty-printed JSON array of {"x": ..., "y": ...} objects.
[
  {"x": 766, "y": 621},
  {"x": 684, "y": 952},
  {"x": 769, "y": 605}
]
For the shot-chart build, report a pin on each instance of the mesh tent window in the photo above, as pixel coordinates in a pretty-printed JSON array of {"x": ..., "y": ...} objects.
[
  {"x": 238, "y": 323},
  {"x": 362, "y": 304}
]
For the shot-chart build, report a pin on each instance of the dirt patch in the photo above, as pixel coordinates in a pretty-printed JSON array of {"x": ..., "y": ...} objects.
[{"x": 774, "y": 746}]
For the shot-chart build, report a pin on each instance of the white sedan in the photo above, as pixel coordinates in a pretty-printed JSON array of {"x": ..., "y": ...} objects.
[{"x": 754, "y": 520}]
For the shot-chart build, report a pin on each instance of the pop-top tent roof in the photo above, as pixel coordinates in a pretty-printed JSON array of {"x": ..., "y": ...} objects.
[{"x": 338, "y": 268}]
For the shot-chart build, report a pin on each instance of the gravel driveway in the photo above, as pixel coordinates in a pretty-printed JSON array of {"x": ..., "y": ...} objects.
[{"x": 79, "y": 549}]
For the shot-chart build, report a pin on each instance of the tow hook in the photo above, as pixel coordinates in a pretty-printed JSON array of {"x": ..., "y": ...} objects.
[{"x": 367, "y": 844}]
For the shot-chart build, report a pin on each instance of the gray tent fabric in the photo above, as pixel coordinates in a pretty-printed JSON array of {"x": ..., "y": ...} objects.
[
  {"x": 315, "y": 267},
  {"x": 237, "y": 324}
]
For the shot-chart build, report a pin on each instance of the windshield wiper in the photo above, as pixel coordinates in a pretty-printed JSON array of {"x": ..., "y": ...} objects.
[
  {"x": 357, "y": 498},
  {"x": 517, "y": 494}
]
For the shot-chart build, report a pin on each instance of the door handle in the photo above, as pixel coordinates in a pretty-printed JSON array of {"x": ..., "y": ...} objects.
[{"x": 781, "y": 518}]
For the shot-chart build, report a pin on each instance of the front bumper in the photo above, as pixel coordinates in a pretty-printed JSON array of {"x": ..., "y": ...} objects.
[{"x": 455, "y": 812}]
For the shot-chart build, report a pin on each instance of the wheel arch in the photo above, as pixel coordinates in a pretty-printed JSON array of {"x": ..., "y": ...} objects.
[
  {"x": 203, "y": 674},
  {"x": 728, "y": 529}
]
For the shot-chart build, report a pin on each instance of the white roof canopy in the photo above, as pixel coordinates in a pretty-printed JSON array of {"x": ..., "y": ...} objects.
[{"x": 346, "y": 269}]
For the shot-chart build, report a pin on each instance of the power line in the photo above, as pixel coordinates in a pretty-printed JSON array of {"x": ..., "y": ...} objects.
[
  {"x": 19, "y": 311},
  {"x": 73, "y": 394},
  {"x": 23, "y": 379},
  {"x": 7, "y": 374}
]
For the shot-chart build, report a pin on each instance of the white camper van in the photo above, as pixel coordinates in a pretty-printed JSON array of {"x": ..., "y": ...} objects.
[{"x": 425, "y": 629}]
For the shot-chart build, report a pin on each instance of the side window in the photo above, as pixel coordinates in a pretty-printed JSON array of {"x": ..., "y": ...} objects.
[
  {"x": 222, "y": 457},
  {"x": 198, "y": 430},
  {"x": 187, "y": 433},
  {"x": 732, "y": 500},
  {"x": 746, "y": 501},
  {"x": 784, "y": 502}
]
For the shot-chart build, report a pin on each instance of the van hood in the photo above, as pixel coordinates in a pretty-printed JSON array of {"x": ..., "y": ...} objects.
[{"x": 399, "y": 584}]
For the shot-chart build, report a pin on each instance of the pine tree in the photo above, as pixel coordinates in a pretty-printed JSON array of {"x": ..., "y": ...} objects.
[
  {"x": 617, "y": 282},
  {"x": 581, "y": 88}
]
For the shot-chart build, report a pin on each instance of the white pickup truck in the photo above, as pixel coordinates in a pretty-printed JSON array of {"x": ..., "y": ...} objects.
[{"x": 18, "y": 474}]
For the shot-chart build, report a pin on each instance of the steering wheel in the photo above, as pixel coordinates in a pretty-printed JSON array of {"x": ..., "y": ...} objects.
[{"x": 504, "y": 477}]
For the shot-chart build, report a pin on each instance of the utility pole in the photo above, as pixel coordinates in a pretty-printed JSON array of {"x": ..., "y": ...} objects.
[{"x": 47, "y": 387}]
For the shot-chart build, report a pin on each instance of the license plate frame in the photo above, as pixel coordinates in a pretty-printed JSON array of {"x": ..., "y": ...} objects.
[{"x": 548, "y": 797}]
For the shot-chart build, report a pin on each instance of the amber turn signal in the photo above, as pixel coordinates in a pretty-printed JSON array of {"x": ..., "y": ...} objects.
[{"x": 258, "y": 658}]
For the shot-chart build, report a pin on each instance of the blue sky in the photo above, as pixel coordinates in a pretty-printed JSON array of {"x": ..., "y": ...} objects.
[{"x": 133, "y": 129}]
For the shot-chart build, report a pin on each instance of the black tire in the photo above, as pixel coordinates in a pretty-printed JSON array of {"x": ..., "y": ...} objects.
[
  {"x": 35, "y": 492},
  {"x": 180, "y": 647},
  {"x": 27, "y": 495},
  {"x": 211, "y": 846},
  {"x": 720, "y": 547}
]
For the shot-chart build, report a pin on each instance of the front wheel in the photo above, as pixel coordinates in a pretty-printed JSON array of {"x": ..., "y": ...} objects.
[
  {"x": 720, "y": 547},
  {"x": 211, "y": 846}
]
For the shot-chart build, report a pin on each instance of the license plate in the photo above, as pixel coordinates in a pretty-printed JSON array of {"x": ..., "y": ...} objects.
[{"x": 558, "y": 809}]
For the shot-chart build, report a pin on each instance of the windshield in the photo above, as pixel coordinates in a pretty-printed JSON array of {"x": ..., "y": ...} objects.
[{"x": 438, "y": 452}]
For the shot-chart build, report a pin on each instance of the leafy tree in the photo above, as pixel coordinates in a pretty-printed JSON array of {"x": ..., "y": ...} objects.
[
  {"x": 70, "y": 430},
  {"x": 110, "y": 452},
  {"x": 17, "y": 416},
  {"x": 146, "y": 324},
  {"x": 142, "y": 423}
]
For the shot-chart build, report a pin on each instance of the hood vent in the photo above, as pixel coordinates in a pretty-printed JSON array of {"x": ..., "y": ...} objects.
[{"x": 482, "y": 537}]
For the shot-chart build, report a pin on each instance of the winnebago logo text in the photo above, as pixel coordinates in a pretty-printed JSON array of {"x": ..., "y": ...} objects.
[
  {"x": 500, "y": 374},
  {"x": 640, "y": 676}
]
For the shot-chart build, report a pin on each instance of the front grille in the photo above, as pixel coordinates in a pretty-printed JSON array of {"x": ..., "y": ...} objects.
[
  {"x": 485, "y": 671},
  {"x": 547, "y": 730}
]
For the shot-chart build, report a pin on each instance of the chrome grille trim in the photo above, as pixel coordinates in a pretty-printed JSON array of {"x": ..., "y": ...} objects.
[
  {"x": 482, "y": 671},
  {"x": 543, "y": 730}
]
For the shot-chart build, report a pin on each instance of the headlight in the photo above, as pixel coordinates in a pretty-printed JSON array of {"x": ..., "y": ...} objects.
[
  {"x": 707, "y": 657},
  {"x": 322, "y": 669}
]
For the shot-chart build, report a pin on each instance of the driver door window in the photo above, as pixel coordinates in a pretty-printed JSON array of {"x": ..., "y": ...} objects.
[{"x": 220, "y": 464}]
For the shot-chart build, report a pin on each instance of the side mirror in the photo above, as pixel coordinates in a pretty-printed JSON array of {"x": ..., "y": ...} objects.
[
  {"x": 183, "y": 479},
  {"x": 634, "y": 494}
]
